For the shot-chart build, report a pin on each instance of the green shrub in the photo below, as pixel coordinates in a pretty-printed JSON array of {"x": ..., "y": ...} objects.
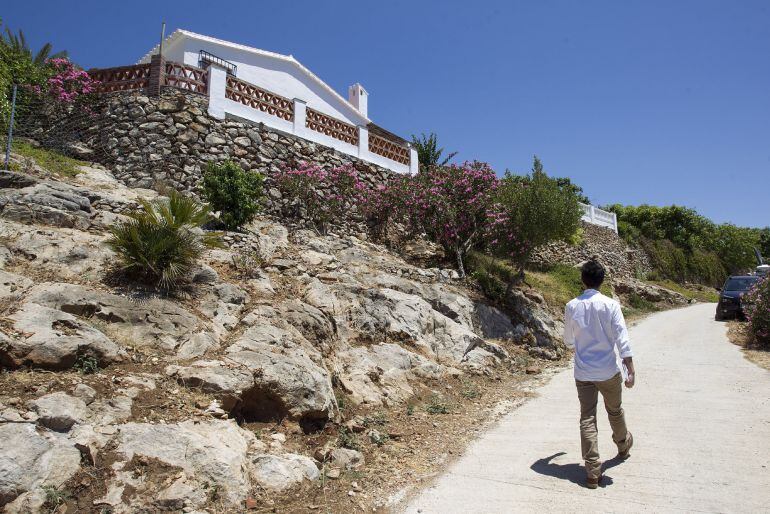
[
  {"x": 347, "y": 439},
  {"x": 564, "y": 282},
  {"x": 55, "y": 498},
  {"x": 161, "y": 242},
  {"x": 233, "y": 192},
  {"x": 437, "y": 405},
  {"x": 86, "y": 364},
  {"x": 667, "y": 258},
  {"x": 756, "y": 305},
  {"x": 378, "y": 437},
  {"x": 734, "y": 246},
  {"x": 470, "y": 391},
  {"x": 706, "y": 267},
  {"x": 490, "y": 285}
]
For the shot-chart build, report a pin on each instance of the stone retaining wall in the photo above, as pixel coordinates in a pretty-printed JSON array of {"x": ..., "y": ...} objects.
[
  {"x": 169, "y": 139},
  {"x": 621, "y": 260}
]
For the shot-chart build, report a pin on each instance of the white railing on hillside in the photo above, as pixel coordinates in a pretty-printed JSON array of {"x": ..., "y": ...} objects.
[{"x": 599, "y": 217}]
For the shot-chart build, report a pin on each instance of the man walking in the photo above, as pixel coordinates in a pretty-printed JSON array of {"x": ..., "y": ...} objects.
[{"x": 594, "y": 326}]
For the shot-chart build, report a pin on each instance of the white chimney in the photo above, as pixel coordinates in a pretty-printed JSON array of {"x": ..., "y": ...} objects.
[{"x": 358, "y": 96}]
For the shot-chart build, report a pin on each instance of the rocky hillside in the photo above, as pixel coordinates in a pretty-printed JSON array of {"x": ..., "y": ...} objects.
[
  {"x": 622, "y": 260},
  {"x": 113, "y": 399}
]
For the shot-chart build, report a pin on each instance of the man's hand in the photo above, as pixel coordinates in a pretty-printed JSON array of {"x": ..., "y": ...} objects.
[{"x": 628, "y": 362}]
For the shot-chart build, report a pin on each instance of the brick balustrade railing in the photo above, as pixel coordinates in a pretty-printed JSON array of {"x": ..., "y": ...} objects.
[
  {"x": 122, "y": 78},
  {"x": 331, "y": 127},
  {"x": 258, "y": 98},
  {"x": 388, "y": 148}
]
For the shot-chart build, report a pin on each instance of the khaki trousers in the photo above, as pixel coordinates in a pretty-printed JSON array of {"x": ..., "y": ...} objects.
[{"x": 588, "y": 393}]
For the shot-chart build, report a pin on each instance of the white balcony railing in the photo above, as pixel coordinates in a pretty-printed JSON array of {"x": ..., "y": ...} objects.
[{"x": 599, "y": 217}]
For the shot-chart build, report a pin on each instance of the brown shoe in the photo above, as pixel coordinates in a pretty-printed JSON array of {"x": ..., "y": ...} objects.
[
  {"x": 626, "y": 452},
  {"x": 593, "y": 482}
]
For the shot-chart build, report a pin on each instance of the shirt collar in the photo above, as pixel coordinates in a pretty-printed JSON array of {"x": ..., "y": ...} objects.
[{"x": 590, "y": 292}]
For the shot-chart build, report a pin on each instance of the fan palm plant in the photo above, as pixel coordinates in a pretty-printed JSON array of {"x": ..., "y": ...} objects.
[
  {"x": 17, "y": 43},
  {"x": 161, "y": 242}
]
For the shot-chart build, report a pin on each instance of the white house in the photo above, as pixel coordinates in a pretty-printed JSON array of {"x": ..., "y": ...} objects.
[{"x": 277, "y": 90}]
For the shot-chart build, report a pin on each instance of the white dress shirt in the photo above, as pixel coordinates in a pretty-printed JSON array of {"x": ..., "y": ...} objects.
[{"x": 594, "y": 326}]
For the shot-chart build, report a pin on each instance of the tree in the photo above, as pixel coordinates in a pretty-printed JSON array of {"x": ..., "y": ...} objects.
[
  {"x": 562, "y": 182},
  {"x": 681, "y": 225},
  {"x": 528, "y": 212},
  {"x": 428, "y": 152},
  {"x": 764, "y": 243},
  {"x": 706, "y": 252},
  {"x": 734, "y": 245},
  {"x": 17, "y": 44},
  {"x": 567, "y": 184}
]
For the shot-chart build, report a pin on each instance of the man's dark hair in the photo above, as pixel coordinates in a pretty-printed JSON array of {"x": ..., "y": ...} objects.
[{"x": 592, "y": 274}]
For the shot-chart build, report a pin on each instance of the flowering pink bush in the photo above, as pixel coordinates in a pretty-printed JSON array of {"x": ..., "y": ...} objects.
[
  {"x": 376, "y": 206},
  {"x": 68, "y": 82},
  {"x": 384, "y": 204},
  {"x": 756, "y": 305},
  {"x": 320, "y": 196},
  {"x": 449, "y": 204}
]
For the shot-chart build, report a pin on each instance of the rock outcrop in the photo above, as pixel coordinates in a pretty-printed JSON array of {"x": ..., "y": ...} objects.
[
  {"x": 31, "y": 459},
  {"x": 650, "y": 292}
]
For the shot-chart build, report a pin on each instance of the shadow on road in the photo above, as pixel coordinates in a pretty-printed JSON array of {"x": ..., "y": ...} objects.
[{"x": 573, "y": 472}]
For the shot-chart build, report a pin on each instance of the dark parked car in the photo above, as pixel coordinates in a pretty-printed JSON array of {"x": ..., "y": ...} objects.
[{"x": 729, "y": 305}]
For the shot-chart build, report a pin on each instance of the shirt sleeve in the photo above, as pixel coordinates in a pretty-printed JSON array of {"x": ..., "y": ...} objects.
[
  {"x": 620, "y": 332},
  {"x": 569, "y": 336}
]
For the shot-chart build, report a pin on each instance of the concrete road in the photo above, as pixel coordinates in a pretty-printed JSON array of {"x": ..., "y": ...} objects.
[{"x": 700, "y": 415}]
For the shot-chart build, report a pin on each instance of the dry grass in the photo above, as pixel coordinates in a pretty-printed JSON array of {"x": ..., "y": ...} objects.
[
  {"x": 737, "y": 333},
  {"x": 48, "y": 159}
]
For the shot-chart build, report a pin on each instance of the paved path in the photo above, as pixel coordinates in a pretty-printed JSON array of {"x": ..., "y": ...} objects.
[{"x": 700, "y": 414}]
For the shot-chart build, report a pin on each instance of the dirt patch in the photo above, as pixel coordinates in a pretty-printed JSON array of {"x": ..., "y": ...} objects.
[
  {"x": 737, "y": 333},
  {"x": 82, "y": 492}
]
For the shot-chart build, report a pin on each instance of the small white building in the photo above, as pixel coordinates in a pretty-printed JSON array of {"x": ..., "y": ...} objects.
[{"x": 277, "y": 90}]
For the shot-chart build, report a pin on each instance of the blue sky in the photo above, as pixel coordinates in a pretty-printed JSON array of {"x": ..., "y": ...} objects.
[{"x": 643, "y": 101}]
